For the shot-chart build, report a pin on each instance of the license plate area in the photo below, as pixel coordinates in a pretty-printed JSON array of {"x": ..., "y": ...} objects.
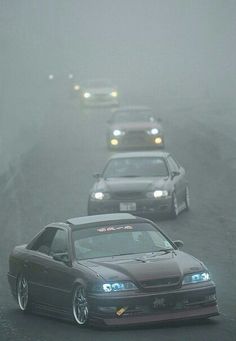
[{"x": 127, "y": 206}]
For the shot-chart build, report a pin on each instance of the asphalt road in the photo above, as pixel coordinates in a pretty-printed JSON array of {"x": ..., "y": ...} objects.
[{"x": 52, "y": 181}]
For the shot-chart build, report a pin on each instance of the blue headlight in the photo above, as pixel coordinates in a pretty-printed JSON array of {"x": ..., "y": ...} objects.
[
  {"x": 118, "y": 286},
  {"x": 197, "y": 277}
]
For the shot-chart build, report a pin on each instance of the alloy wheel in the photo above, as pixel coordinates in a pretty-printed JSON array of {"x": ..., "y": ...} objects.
[
  {"x": 80, "y": 306},
  {"x": 23, "y": 293}
]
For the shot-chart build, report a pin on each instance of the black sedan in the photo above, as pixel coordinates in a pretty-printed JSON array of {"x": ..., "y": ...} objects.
[
  {"x": 110, "y": 270},
  {"x": 150, "y": 183},
  {"x": 134, "y": 127}
]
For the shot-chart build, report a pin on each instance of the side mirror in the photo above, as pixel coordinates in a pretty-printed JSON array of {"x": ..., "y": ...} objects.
[
  {"x": 97, "y": 176},
  {"x": 178, "y": 243},
  {"x": 174, "y": 174},
  {"x": 61, "y": 257}
]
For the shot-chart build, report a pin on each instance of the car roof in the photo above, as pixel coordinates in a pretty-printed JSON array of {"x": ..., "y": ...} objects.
[
  {"x": 102, "y": 218},
  {"x": 156, "y": 153}
]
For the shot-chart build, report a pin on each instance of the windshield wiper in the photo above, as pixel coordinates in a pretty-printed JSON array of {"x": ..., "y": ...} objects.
[{"x": 124, "y": 254}]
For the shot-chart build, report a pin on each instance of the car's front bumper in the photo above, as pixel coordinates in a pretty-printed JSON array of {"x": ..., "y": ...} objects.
[
  {"x": 12, "y": 283},
  {"x": 144, "y": 207},
  {"x": 143, "y": 308},
  {"x": 135, "y": 141},
  {"x": 102, "y": 100}
]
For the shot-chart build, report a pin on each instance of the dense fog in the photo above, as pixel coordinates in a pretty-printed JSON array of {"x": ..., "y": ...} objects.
[{"x": 161, "y": 51}]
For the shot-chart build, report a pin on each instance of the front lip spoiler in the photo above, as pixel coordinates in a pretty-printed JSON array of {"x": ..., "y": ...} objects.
[{"x": 185, "y": 315}]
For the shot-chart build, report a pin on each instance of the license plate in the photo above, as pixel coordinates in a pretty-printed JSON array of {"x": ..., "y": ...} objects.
[{"x": 127, "y": 206}]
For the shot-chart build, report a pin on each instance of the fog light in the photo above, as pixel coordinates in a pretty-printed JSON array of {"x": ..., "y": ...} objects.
[
  {"x": 76, "y": 87},
  {"x": 114, "y": 142},
  {"x": 158, "y": 140}
]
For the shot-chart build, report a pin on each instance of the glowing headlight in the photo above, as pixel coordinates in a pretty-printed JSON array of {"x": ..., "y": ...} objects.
[
  {"x": 114, "y": 94},
  {"x": 114, "y": 142},
  {"x": 118, "y": 286},
  {"x": 160, "y": 194},
  {"x": 87, "y": 95},
  {"x": 158, "y": 140},
  {"x": 76, "y": 87},
  {"x": 100, "y": 195},
  {"x": 197, "y": 277},
  {"x": 118, "y": 132},
  {"x": 153, "y": 131}
]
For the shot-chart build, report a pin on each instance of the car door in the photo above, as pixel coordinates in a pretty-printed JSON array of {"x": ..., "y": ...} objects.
[
  {"x": 36, "y": 265},
  {"x": 179, "y": 181},
  {"x": 60, "y": 275}
]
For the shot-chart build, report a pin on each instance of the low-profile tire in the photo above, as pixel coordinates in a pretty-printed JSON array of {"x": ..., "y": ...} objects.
[
  {"x": 174, "y": 207},
  {"x": 187, "y": 199},
  {"x": 80, "y": 306},
  {"x": 22, "y": 293}
]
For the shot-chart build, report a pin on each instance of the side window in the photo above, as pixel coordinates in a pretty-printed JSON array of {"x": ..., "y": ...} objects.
[
  {"x": 43, "y": 242},
  {"x": 60, "y": 242},
  {"x": 173, "y": 165}
]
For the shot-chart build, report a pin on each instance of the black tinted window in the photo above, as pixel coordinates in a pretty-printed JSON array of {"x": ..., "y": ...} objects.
[
  {"x": 59, "y": 243},
  {"x": 173, "y": 165},
  {"x": 51, "y": 241},
  {"x": 43, "y": 242}
]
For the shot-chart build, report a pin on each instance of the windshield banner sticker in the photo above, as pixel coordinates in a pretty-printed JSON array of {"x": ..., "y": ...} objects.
[{"x": 114, "y": 228}]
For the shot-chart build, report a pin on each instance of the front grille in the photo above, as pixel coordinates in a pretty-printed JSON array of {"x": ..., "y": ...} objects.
[
  {"x": 101, "y": 96},
  {"x": 127, "y": 195},
  {"x": 169, "y": 281},
  {"x": 134, "y": 136}
]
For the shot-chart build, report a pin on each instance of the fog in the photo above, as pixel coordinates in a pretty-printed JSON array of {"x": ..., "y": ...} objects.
[
  {"x": 176, "y": 56},
  {"x": 161, "y": 51}
]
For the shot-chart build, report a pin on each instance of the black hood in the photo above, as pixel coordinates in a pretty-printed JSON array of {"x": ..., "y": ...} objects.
[
  {"x": 136, "y": 184},
  {"x": 145, "y": 267}
]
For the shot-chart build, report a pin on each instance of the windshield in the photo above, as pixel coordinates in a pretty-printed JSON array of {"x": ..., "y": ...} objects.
[
  {"x": 98, "y": 83},
  {"x": 107, "y": 241},
  {"x": 133, "y": 116},
  {"x": 136, "y": 167}
]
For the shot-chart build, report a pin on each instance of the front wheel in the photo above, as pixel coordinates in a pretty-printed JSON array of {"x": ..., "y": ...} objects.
[
  {"x": 23, "y": 293},
  {"x": 80, "y": 306}
]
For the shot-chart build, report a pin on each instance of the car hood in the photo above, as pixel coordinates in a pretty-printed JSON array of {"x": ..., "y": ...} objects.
[
  {"x": 144, "y": 267},
  {"x": 99, "y": 91},
  {"x": 137, "y": 184},
  {"x": 132, "y": 126}
]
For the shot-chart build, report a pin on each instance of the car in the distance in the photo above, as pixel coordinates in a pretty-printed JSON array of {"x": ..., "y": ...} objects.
[
  {"x": 134, "y": 127},
  {"x": 99, "y": 92},
  {"x": 147, "y": 183},
  {"x": 110, "y": 270}
]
